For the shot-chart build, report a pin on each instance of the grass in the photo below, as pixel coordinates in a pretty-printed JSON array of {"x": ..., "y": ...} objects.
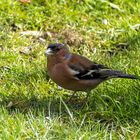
[{"x": 32, "y": 106}]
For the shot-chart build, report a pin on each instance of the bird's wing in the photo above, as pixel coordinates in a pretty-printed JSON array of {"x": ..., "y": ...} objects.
[{"x": 82, "y": 68}]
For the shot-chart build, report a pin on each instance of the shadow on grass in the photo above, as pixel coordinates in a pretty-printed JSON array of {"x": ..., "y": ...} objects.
[
  {"x": 102, "y": 106},
  {"x": 52, "y": 107}
]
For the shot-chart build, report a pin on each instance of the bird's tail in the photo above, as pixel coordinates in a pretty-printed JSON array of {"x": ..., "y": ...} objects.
[{"x": 108, "y": 74}]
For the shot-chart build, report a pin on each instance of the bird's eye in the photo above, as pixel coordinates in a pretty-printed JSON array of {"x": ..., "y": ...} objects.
[{"x": 57, "y": 49}]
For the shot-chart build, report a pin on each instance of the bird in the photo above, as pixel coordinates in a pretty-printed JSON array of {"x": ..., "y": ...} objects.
[{"x": 76, "y": 72}]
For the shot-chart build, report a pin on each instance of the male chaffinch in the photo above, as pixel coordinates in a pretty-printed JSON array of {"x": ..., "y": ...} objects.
[{"x": 75, "y": 72}]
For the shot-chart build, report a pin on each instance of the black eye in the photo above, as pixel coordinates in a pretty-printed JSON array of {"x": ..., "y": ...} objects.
[{"x": 56, "y": 49}]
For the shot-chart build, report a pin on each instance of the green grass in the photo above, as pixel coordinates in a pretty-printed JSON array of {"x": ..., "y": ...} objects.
[{"x": 32, "y": 106}]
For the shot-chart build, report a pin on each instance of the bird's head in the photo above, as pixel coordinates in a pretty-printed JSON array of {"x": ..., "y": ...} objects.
[{"x": 56, "y": 48}]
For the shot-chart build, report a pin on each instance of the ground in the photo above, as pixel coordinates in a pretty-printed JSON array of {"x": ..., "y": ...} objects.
[{"x": 32, "y": 106}]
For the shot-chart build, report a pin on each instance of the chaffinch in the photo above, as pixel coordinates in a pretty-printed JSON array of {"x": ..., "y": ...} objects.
[{"x": 76, "y": 72}]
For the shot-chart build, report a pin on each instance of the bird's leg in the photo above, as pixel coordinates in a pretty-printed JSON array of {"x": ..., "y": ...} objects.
[
  {"x": 80, "y": 104},
  {"x": 71, "y": 97},
  {"x": 83, "y": 102},
  {"x": 85, "y": 99}
]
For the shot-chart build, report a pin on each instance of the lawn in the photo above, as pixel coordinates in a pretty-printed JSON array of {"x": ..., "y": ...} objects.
[{"x": 32, "y": 106}]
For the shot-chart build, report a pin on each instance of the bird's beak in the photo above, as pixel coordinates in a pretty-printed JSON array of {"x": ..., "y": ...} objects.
[{"x": 48, "y": 52}]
